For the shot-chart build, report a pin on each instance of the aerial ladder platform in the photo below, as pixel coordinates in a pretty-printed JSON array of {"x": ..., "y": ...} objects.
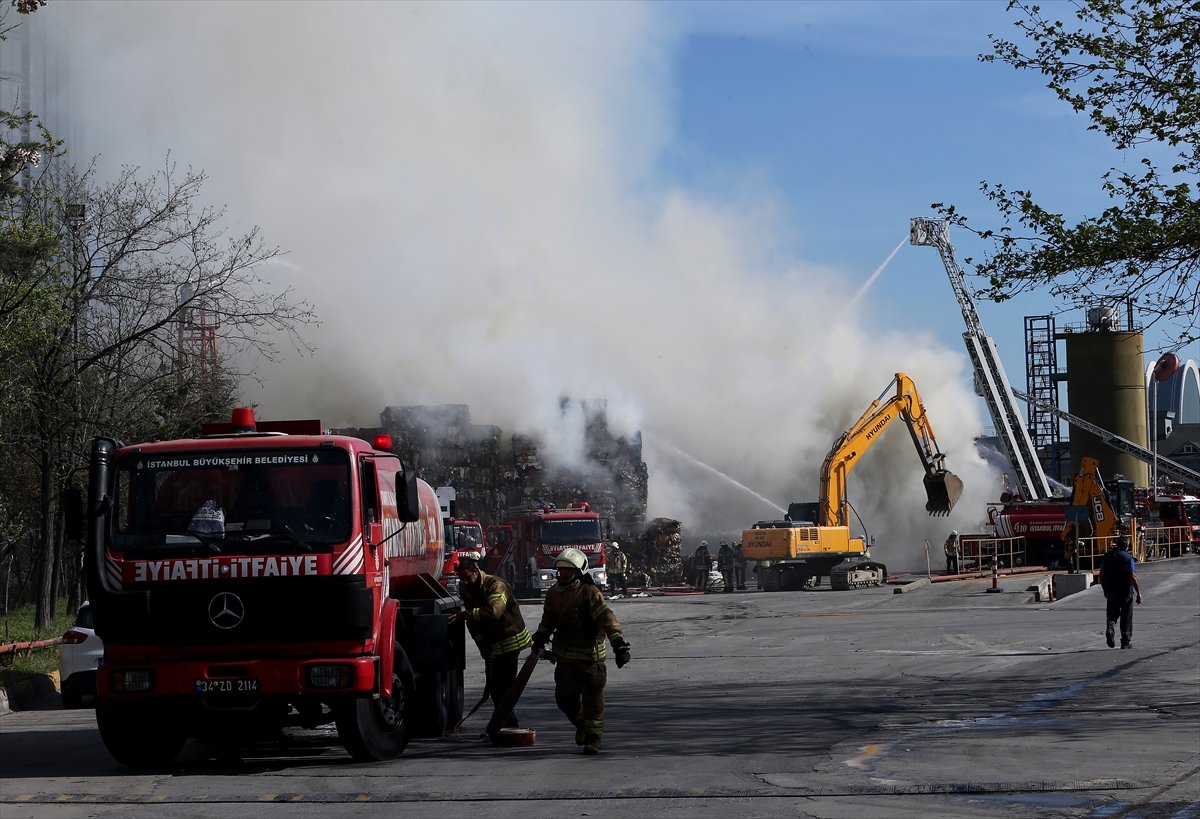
[
  {"x": 991, "y": 382},
  {"x": 1172, "y": 469}
]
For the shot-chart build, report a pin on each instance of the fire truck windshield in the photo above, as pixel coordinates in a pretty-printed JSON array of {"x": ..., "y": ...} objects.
[
  {"x": 279, "y": 499},
  {"x": 568, "y": 531}
]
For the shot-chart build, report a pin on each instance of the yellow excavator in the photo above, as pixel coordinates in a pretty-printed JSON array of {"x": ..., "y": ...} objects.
[{"x": 813, "y": 540}]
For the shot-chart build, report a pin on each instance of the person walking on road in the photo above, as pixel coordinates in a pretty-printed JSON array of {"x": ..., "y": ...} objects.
[
  {"x": 578, "y": 617},
  {"x": 1118, "y": 577},
  {"x": 618, "y": 569},
  {"x": 725, "y": 565},
  {"x": 739, "y": 566},
  {"x": 494, "y": 620},
  {"x": 953, "y": 564},
  {"x": 701, "y": 566}
]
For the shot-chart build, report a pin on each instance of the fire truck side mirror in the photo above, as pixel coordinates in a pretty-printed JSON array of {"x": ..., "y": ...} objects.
[{"x": 409, "y": 508}]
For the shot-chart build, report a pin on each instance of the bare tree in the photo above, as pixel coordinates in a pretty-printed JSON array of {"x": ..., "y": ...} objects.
[{"x": 142, "y": 264}]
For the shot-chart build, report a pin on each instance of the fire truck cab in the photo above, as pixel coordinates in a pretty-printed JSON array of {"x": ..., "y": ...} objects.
[{"x": 263, "y": 575}]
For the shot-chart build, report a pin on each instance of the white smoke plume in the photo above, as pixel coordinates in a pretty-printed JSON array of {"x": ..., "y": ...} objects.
[{"x": 468, "y": 193}]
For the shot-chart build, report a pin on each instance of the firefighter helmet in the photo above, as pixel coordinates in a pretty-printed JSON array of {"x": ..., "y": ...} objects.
[{"x": 571, "y": 558}]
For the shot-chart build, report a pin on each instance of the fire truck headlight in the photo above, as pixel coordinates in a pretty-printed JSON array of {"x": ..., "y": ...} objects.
[
  {"x": 601, "y": 577},
  {"x": 547, "y": 576},
  {"x": 330, "y": 676},
  {"x": 129, "y": 682}
]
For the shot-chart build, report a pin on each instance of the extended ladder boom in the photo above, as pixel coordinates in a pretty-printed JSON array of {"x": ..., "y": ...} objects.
[
  {"x": 1172, "y": 469},
  {"x": 990, "y": 378}
]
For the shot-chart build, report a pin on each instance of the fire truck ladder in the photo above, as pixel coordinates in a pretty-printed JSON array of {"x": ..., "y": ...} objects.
[
  {"x": 991, "y": 382},
  {"x": 1172, "y": 469}
]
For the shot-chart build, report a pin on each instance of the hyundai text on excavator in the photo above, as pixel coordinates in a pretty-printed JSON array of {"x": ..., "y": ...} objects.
[{"x": 814, "y": 540}]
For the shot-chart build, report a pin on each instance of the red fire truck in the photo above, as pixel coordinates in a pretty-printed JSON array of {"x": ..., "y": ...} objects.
[
  {"x": 1043, "y": 523},
  {"x": 464, "y": 536},
  {"x": 522, "y": 548},
  {"x": 266, "y": 575},
  {"x": 1179, "y": 516}
]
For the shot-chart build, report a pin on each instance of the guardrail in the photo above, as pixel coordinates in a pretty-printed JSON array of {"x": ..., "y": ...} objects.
[
  {"x": 1166, "y": 541},
  {"x": 979, "y": 551},
  {"x": 29, "y": 645}
]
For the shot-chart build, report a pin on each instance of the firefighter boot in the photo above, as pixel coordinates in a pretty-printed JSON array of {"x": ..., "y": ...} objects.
[
  {"x": 591, "y": 744},
  {"x": 580, "y": 734}
]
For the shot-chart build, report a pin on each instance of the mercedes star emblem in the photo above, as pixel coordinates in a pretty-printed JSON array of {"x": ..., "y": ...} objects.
[{"x": 226, "y": 611}]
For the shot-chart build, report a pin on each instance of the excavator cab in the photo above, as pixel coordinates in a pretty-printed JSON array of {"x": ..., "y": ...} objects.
[{"x": 943, "y": 489}]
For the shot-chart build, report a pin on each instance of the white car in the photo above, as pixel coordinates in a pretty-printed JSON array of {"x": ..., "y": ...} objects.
[{"x": 80, "y": 656}]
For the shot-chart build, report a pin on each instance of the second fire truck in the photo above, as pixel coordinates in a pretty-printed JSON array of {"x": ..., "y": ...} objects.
[{"x": 522, "y": 548}]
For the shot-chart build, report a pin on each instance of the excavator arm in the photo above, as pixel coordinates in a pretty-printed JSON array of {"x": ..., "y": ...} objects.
[
  {"x": 1091, "y": 514},
  {"x": 942, "y": 487}
]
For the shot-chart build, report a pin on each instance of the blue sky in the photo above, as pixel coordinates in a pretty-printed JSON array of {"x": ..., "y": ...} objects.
[
  {"x": 672, "y": 206},
  {"x": 860, "y": 115}
]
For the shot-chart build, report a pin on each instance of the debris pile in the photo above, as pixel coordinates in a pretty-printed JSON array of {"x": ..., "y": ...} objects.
[{"x": 657, "y": 554}]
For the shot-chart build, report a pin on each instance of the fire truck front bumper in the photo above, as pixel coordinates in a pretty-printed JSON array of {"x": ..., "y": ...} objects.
[{"x": 239, "y": 679}]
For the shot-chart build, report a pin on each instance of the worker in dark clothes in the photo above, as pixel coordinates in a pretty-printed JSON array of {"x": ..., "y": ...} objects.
[
  {"x": 1118, "y": 577},
  {"x": 725, "y": 565},
  {"x": 701, "y": 566}
]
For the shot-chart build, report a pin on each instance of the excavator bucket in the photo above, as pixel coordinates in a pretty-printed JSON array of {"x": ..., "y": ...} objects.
[{"x": 944, "y": 490}]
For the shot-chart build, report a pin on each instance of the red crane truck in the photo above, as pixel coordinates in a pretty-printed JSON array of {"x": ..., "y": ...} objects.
[
  {"x": 265, "y": 575},
  {"x": 523, "y": 546}
]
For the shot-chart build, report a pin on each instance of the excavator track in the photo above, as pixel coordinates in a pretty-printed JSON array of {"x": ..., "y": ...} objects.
[{"x": 857, "y": 574}]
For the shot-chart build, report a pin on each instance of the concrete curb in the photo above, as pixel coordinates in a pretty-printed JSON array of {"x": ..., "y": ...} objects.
[
  {"x": 919, "y": 583},
  {"x": 23, "y": 695}
]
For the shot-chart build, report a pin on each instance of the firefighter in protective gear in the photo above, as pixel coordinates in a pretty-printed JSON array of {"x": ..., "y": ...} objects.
[
  {"x": 618, "y": 569},
  {"x": 701, "y": 566},
  {"x": 725, "y": 565},
  {"x": 951, "y": 548},
  {"x": 578, "y": 617},
  {"x": 494, "y": 620},
  {"x": 739, "y": 566}
]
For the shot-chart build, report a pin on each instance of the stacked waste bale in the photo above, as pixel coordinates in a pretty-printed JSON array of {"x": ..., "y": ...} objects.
[{"x": 658, "y": 553}]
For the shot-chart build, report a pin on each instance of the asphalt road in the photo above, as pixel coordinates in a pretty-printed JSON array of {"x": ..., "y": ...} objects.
[{"x": 943, "y": 701}]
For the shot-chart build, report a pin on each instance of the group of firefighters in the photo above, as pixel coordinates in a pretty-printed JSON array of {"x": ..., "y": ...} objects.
[
  {"x": 576, "y": 615},
  {"x": 731, "y": 563}
]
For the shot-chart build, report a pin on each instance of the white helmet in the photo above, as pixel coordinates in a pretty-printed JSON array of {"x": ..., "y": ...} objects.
[
  {"x": 953, "y": 533},
  {"x": 571, "y": 558},
  {"x": 616, "y": 545},
  {"x": 704, "y": 543}
]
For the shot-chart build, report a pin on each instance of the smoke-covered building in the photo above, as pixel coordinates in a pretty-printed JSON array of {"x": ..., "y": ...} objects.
[{"x": 492, "y": 471}]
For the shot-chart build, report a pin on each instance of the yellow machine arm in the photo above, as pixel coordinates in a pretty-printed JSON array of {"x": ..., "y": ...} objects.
[
  {"x": 942, "y": 487},
  {"x": 1091, "y": 508}
]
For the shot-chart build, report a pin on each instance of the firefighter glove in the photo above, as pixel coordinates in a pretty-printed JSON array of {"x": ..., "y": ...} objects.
[
  {"x": 539, "y": 646},
  {"x": 621, "y": 650}
]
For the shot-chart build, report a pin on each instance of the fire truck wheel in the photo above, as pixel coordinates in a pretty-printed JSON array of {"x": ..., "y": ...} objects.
[
  {"x": 375, "y": 729},
  {"x": 138, "y": 736},
  {"x": 428, "y": 710}
]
